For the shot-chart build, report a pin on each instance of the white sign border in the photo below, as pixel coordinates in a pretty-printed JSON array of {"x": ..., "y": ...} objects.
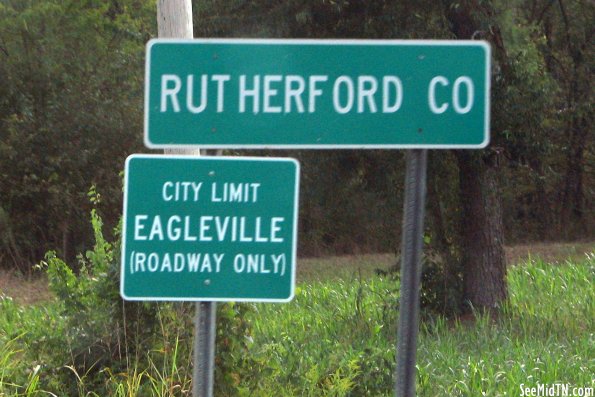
[{"x": 123, "y": 258}]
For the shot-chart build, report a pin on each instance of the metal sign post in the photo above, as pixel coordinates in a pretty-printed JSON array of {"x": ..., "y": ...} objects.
[
  {"x": 205, "y": 326},
  {"x": 204, "y": 349},
  {"x": 412, "y": 243}
]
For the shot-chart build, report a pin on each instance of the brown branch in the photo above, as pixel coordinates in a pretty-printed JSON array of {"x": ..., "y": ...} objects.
[
  {"x": 542, "y": 14},
  {"x": 3, "y": 48},
  {"x": 565, "y": 18}
]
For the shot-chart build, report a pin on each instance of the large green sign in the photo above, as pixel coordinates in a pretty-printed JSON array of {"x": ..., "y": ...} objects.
[
  {"x": 218, "y": 93},
  {"x": 213, "y": 229}
]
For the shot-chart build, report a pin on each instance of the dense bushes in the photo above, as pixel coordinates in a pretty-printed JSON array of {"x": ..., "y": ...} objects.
[
  {"x": 100, "y": 329},
  {"x": 70, "y": 112},
  {"x": 102, "y": 335}
]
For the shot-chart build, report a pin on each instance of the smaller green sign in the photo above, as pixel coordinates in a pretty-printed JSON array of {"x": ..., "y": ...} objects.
[{"x": 209, "y": 228}]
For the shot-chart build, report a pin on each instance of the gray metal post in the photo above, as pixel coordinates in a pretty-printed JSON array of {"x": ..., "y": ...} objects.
[
  {"x": 412, "y": 244},
  {"x": 205, "y": 328},
  {"x": 204, "y": 349}
]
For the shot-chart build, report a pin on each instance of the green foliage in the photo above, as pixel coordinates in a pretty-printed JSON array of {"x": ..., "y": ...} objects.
[
  {"x": 73, "y": 88},
  {"x": 441, "y": 286},
  {"x": 340, "y": 330},
  {"x": 547, "y": 181},
  {"x": 233, "y": 343},
  {"x": 334, "y": 340},
  {"x": 96, "y": 330},
  {"x": 8, "y": 351},
  {"x": 319, "y": 19},
  {"x": 543, "y": 335},
  {"x": 337, "y": 338},
  {"x": 360, "y": 214},
  {"x": 90, "y": 307},
  {"x": 69, "y": 113},
  {"x": 100, "y": 342},
  {"x": 26, "y": 336}
]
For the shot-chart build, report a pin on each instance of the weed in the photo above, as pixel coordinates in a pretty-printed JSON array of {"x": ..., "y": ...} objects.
[{"x": 337, "y": 338}]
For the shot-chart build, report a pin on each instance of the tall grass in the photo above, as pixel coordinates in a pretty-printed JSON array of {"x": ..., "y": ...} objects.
[
  {"x": 345, "y": 332},
  {"x": 337, "y": 338},
  {"x": 544, "y": 335}
]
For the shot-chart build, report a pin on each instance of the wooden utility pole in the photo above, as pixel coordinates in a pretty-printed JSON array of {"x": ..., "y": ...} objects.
[{"x": 174, "y": 20}]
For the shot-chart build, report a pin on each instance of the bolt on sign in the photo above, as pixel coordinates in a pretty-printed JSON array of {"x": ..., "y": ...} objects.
[
  {"x": 210, "y": 229},
  {"x": 242, "y": 93}
]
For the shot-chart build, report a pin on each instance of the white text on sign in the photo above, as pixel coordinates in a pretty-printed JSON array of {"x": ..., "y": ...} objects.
[{"x": 302, "y": 94}]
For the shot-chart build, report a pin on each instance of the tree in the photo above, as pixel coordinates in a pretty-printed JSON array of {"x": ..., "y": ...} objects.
[
  {"x": 481, "y": 233},
  {"x": 568, "y": 30},
  {"x": 548, "y": 180},
  {"x": 70, "y": 111}
]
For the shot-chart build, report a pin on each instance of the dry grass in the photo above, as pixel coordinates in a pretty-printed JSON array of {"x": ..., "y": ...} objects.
[
  {"x": 354, "y": 265},
  {"x": 24, "y": 289},
  {"x": 549, "y": 252},
  {"x": 310, "y": 269}
]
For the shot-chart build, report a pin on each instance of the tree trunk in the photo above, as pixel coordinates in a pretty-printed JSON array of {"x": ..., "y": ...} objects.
[
  {"x": 572, "y": 222},
  {"x": 481, "y": 234},
  {"x": 439, "y": 229},
  {"x": 483, "y": 259},
  {"x": 572, "y": 208},
  {"x": 543, "y": 203}
]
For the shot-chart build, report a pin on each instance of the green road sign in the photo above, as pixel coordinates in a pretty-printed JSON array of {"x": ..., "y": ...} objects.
[
  {"x": 218, "y": 93},
  {"x": 212, "y": 229}
]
